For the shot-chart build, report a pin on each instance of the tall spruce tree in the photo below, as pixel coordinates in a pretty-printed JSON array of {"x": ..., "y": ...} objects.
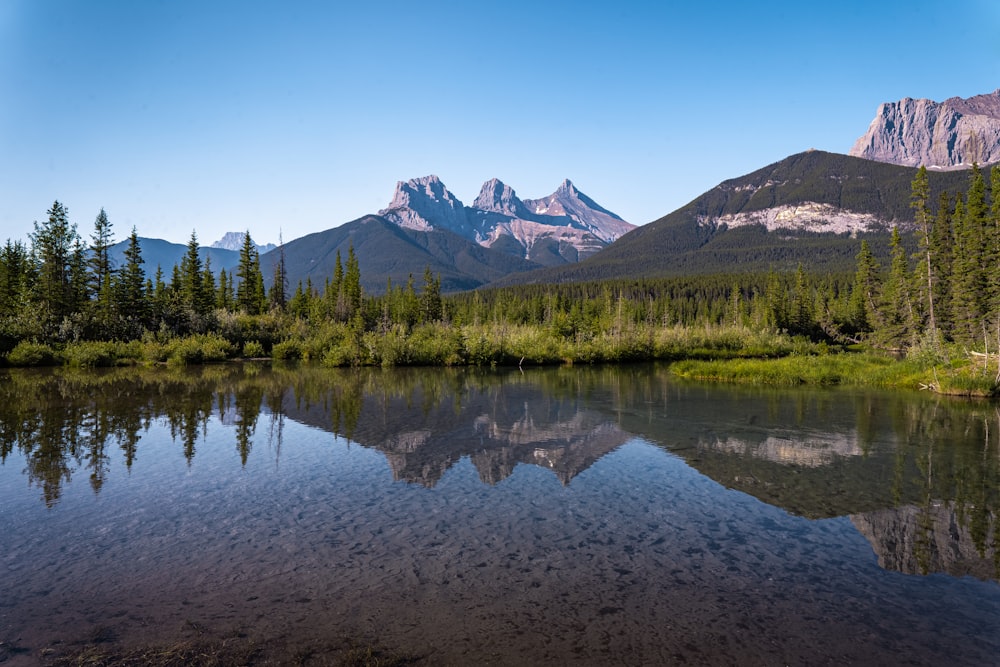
[
  {"x": 131, "y": 297},
  {"x": 865, "y": 294},
  {"x": 53, "y": 244},
  {"x": 920, "y": 194},
  {"x": 250, "y": 290},
  {"x": 968, "y": 270}
]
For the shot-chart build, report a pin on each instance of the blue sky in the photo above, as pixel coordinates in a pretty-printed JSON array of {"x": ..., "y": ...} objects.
[{"x": 299, "y": 116}]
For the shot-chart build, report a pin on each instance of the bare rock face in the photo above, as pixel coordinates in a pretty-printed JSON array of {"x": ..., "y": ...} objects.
[
  {"x": 497, "y": 197},
  {"x": 939, "y": 135},
  {"x": 564, "y": 227},
  {"x": 424, "y": 204},
  {"x": 585, "y": 213}
]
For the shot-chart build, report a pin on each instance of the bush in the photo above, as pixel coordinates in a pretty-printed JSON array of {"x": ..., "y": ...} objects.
[
  {"x": 252, "y": 349},
  {"x": 27, "y": 353},
  {"x": 200, "y": 349}
]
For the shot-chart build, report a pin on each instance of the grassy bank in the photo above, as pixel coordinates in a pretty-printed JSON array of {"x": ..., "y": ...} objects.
[
  {"x": 960, "y": 378},
  {"x": 439, "y": 344}
]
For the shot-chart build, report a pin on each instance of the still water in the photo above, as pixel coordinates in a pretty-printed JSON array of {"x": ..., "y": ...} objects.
[{"x": 555, "y": 516}]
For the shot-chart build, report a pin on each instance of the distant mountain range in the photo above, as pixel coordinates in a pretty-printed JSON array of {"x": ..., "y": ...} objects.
[
  {"x": 564, "y": 227},
  {"x": 807, "y": 209}
]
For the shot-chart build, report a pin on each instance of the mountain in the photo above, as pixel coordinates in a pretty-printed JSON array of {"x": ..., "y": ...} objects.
[
  {"x": 808, "y": 208},
  {"x": 939, "y": 135},
  {"x": 234, "y": 241},
  {"x": 164, "y": 254},
  {"x": 564, "y": 227},
  {"x": 386, "y": 250}
]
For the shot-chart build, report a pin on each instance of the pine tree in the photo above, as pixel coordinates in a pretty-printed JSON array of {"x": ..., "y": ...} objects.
[
  {"x": 279, "y": 286},
  {"x": 942, "y": 243},
  {"x": 896, "y": 329},
  {"x": 864, "y": 315},
  {"x": 352, "y": 282},
  {"x": 131, "y": 298},
  {"x": 53, "y": 245},
  {"x": 968, "y": 273},
  {"x": 920, "y": 194},
  {"x": 16, "y": 276},
  {"x": 192, "y": 283},
  {"x": 430, "y": 298},
  {"x": 250, "y": 291}
]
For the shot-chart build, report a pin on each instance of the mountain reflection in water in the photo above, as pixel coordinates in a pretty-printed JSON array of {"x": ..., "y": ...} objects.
[{"x": 918, "y": 476}]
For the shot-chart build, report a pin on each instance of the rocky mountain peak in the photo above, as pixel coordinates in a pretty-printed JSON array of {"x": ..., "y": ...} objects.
[
  {"x": 939, "y": 135},
  {"x": 425, "y": 203},
  {"x": 498, "y": 197}
]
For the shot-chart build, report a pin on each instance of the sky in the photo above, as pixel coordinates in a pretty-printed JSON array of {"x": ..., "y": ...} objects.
[{"x": 287, "y": 118}]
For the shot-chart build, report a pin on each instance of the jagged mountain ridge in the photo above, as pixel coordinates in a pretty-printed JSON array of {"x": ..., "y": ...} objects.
[
  {"x": 563, "y": 227},
  {"x": 939, "y": 135}
]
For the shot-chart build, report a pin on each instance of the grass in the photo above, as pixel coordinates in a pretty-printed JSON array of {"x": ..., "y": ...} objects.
[{"x": 849, "y": 369}]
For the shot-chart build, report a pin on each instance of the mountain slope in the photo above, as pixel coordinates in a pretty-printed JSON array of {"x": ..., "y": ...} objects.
[
  {"x": 806, "y": 208},
  {"x": 164, "y": 254},
  {"x": 388, "y": 251}
]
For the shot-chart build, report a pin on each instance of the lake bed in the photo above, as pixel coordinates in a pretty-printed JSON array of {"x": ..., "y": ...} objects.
[{"x": 555, "y": 516}]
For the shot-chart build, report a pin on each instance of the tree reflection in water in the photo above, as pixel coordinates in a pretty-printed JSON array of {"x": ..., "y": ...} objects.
[{"x": 918, "y": 475}]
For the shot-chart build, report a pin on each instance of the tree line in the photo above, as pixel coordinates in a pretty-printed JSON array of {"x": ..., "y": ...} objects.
[{"x": 941, "y": 285}]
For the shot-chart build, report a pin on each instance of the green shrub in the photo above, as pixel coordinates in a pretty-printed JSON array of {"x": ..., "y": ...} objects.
[
  {"x": 252, "y": 349},
  {"x": 199, "y": 349},
  {"x": 287, "y": 349},
  {"x": 27, "y": 353}
]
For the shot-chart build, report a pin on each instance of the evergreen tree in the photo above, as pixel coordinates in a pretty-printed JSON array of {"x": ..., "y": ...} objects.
[
  {"x": 968, "y": 270},
  {"x": 250, "y": 291},
  {"x": 352, "y": 282},
  {"x": 430, "y": 298},
  {"x": 942, "y": 244},
  {"x": 800, "y": 317},
  {"x": 53, "y": 244},
  {"x": 865, "y": 293},
  {"x": 897, "y": 328},
  {"x": 16, "y": 277},
  {"x": 920, "y": 194},
  {"x": 131, "y": 299},
  {"x": 279, "y": 286},
  {"x": 192, "y": 279}
]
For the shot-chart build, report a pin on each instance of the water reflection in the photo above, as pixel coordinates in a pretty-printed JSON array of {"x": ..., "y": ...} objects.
[{"x": 919, "y": 476}]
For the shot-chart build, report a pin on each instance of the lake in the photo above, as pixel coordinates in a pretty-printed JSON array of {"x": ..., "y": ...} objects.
[{"x": 585, "y": 516}]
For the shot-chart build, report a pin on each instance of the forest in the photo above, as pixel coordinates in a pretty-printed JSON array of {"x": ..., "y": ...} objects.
[{"x": 936, "y": 299}]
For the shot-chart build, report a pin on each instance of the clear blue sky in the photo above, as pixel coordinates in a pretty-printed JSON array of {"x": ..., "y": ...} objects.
[{"x": 180, "y": 115}]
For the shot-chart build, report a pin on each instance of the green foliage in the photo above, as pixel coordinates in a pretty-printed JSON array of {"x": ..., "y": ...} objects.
[
  {"x": 27, "y": 353},
  {"x": 253, "y": 349}
]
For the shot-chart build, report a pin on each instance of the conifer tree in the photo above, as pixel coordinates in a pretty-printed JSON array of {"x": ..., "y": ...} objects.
[
  {"x": 968, "y": 271},
  {"x": 865, "y": 292},
  {"x": 16, "y": 276},
  {"x": 896, "y": 328},
  {"x": 279, "y": 286},
  {"x": 919, "y": 197},
  {"x": 352, "y": 282},
  {"x": 250, "y": 291},
  {"x": 131, "y": 298},
  {"x": 942, "y": 243},
  {"x": 53, "y": 244},
  {"x": 430, "y": 298}
]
